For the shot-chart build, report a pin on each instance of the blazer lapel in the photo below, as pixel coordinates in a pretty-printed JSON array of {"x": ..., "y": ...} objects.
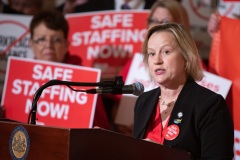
[
  {"x": 148, "y": 105},
  {"x": 181, "y": 108}
]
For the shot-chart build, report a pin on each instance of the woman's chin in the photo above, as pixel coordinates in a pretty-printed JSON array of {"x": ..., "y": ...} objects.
[{"x": 49, "y": 58}]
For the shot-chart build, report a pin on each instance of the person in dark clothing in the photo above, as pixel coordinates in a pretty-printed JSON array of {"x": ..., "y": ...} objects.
[
  {"x": 180, "y": 113},
  {"x": 7, "y": 9},
  {"x": 92, "y": 5}
]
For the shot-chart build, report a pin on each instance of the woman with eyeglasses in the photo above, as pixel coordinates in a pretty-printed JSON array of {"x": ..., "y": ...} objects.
[
  {"x": 49, "y": 31},
  {"x": 164, "y": 11}
]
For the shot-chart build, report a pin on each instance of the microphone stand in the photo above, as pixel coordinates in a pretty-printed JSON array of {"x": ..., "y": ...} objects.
[{"x": 117, "y": 82}]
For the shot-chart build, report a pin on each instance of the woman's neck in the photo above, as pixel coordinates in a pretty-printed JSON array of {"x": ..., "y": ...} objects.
[{"x": 170, "y": 94}]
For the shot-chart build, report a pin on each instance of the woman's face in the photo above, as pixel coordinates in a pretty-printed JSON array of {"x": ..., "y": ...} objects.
[
  {"x": 48, "y": 44},
  {"x": 160, "y": 15},
  {"x": 165, "y": 62}
]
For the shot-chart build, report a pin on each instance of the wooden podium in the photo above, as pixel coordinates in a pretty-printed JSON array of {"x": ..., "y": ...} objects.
[{"x": 49, "y": 143}]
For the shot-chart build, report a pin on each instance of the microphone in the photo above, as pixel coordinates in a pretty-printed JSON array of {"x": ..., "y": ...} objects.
[{"x": 136, "y": 89}]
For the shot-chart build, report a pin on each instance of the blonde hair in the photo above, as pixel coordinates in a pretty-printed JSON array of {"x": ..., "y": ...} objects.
[
  {"x": 177, "y": 11},
  {"x": 186, "y": 44}
]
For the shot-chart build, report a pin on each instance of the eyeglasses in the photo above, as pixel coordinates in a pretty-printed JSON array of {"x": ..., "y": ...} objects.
[
  {"x": 43, "y": 41},
  {"x": 155, "y": 21}
]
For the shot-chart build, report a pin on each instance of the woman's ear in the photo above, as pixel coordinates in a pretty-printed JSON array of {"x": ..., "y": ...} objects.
[{"x": 186, "y": 65}]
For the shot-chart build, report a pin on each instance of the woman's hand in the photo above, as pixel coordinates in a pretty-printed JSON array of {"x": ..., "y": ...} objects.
[{"x": 214, "y": 23}]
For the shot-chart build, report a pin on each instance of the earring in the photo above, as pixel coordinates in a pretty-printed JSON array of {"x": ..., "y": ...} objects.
[{"x": 186, "y": 65}]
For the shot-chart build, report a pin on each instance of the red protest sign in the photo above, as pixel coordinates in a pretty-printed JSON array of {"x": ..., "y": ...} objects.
[
  {"x": 106, "y": 40},
  {"x": 58, "y": 105}
]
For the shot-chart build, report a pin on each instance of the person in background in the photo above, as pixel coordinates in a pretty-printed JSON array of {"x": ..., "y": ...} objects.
[
  {"x": 168, "y": 11},
  {"x": 213, "y": 23},
  {"x": 180, "y": 113},
  {"x": 222, "y": 8},
  {"x": 27, "y": 7},
  {"x": 77, "y": 6},
  {"x": 70, "y": 6},
  {"x": 133, "y": 4},
  {"x": 6, "y": 9},
  {"x": 48, "y": 38}
]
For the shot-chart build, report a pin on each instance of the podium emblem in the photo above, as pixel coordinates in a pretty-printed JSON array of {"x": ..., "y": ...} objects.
[{"x": 19, "y": 143}]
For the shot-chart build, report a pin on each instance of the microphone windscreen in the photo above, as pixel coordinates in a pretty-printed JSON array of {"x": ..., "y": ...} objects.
[{"x": 138, "y": 89}]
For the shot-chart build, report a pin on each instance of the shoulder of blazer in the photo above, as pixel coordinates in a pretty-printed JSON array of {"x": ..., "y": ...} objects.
[
  {"x": 149, "y": 98},
  {"x": 195, "y": 92},
  {"x": 149, "y": 93}
]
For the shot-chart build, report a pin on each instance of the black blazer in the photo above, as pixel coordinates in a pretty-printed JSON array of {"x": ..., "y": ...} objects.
[{"x": 206, "y": 129}]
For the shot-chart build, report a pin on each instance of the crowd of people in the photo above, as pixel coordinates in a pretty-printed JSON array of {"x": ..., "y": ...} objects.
[
  {"x": 31, "y": 7},
  {"x": 200, "y": 116}
]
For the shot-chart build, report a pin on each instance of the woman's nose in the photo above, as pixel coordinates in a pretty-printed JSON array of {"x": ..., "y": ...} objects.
[
  {"x": 158, "y": 59},
  {"x": 49, "y": 43}
]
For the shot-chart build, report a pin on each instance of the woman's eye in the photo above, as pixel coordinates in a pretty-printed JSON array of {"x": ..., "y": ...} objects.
[
  {"x": 151, "y": 54},
  {"x": 166, "y": 52}
]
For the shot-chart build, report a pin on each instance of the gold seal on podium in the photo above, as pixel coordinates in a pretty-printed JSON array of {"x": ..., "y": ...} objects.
[{"x": 19, "y": 143}]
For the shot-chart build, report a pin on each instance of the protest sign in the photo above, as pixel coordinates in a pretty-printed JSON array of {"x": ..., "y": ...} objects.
[
  {"x": 227, "y": 65},
  {"x": 58, "y": 104},
  {"x": 199, "y": 12},
  {"x": 14, "y": 37},
  {"x": 107, "y": 39}
]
